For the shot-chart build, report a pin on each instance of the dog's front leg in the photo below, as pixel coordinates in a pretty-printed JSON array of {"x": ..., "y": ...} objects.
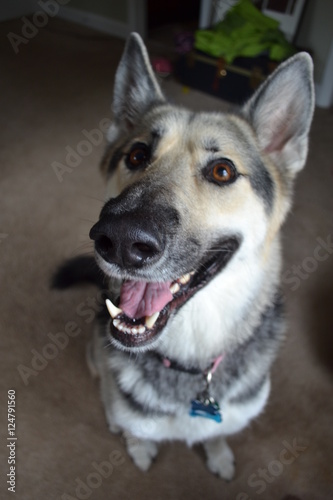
[
  {"x": 142, "y": 451},
  {"x": 220, "y": 458}
]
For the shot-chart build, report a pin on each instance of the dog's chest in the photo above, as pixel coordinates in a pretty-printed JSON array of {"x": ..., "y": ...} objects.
[{"x": 158, "y": 388}]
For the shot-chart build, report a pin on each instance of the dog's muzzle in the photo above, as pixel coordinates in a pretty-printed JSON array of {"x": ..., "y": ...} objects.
[{"x": 135, "y": 237}]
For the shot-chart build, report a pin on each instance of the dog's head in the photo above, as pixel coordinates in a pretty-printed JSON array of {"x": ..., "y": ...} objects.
[{"x": 188, "y": 192}]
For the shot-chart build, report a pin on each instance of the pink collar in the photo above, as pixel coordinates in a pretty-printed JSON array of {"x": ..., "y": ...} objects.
[{"x": 175, "y": 366}]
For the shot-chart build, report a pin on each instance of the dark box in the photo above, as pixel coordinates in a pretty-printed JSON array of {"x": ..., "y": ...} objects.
[{"x": 234, "y": 82}]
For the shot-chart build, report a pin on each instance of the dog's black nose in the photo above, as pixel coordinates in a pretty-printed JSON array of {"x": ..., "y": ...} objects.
[{"x": 122, "y": 240}]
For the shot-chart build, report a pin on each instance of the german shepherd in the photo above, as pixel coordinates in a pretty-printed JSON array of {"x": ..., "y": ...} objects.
[{"x": 189, "y": 240}]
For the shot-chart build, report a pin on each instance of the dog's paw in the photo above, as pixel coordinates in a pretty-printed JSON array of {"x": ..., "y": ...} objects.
[
  {"x": 220, "y": 458},
  {"x": 223, "y": 464},
  {"x": 142, "y": 452}
]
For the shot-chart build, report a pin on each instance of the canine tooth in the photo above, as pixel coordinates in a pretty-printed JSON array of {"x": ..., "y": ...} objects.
[
  {"x": 185, "y": 279},
  {"x": 174, "y": 288},
  {"x": 151, "y": 320},
  {"x": 113, "y": 310}
]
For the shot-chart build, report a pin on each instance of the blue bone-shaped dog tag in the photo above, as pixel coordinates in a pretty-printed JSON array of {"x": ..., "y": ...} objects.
[
  {"x": 206, "y": 408},
  {"x": 204, "y": 405}
]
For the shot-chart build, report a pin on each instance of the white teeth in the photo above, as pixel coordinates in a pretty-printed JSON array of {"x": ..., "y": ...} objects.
[
  {"x": 184, "y": 279},
  {"x": 132, "y": 330},
  {"x": 174, "y": 288},
  {"x": 151, "y": 320},
  {"x": 113, "y": 310}
]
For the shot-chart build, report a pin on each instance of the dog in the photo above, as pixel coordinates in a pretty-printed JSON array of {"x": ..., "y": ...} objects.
[{"x": 189, "y": 243}]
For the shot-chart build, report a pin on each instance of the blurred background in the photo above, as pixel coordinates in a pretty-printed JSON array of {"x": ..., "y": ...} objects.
[
  {"x": 307, "y": 24},
  {"x": 58, "y": 61}
]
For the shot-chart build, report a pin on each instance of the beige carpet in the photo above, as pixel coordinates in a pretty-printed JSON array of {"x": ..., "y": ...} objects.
[{"x": 58, "y": 85}]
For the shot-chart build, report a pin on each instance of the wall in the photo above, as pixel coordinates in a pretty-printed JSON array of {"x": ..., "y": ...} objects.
[
  {"x": 15, "y": 8},
  {"x": 112, "y": 9},
  {"x": 316, "y": 32},
  {"x": 116, "y": 17}
]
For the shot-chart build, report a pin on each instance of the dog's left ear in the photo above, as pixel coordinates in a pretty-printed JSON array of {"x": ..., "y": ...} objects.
[
  {"x": 136, "y": 87},
  {"x": 281, "y": 113}
]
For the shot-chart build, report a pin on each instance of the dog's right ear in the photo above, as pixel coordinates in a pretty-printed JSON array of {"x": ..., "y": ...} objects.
[{"x": 135, "y": 89}]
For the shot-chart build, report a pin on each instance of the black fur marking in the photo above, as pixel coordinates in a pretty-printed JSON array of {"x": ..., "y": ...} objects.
[
  {"x": 115, "y": 159},
  {"x": 191, "y": 117},
  {"x": 250, "y": 392},
  {"x": 76, "y": 271},
  {"x": 140, "y": 407},
  {"x": 262, "y": 183},
  {"x": 211, "y": 145}
]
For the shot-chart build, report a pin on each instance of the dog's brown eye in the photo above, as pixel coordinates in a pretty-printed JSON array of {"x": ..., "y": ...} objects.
[
  {"x": 138, "y": 156},
  {"x": 221, "y": 172}
]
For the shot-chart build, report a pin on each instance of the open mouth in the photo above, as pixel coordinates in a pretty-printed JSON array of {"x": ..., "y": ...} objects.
[{"x": 145, "y": 308}]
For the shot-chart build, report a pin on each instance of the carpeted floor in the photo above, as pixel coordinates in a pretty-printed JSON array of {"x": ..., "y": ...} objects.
[{"x": 58, "y": 85}]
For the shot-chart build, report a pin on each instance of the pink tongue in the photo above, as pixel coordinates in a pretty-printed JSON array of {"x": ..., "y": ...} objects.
[{"x": 138, "y": 298}]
